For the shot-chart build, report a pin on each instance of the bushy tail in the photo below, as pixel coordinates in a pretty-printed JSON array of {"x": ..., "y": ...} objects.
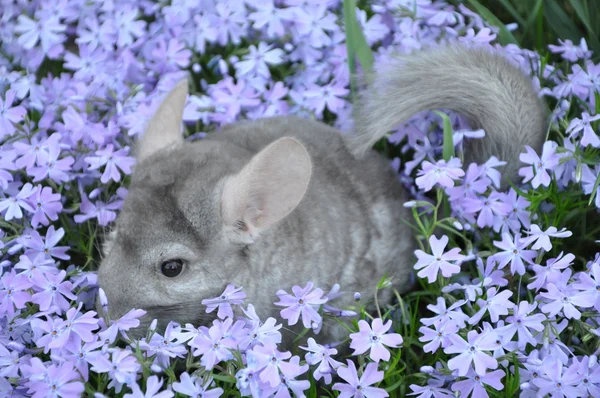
[{"x": 475, "y": 82}]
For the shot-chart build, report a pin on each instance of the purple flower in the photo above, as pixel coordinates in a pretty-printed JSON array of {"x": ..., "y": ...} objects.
[
  {"x": 489, "y": 208},
  {"x": 374, "y": 338},
  {"x": 53, "y": 291},
  {"x": 271, "y": 361},
  {"x": 13, "y": 292},
  {"x": 439, "y": 336},
  {"x": 551, "y": 272},
  {"x": 36, "y": 245},
  {"x": 444, "y": 314},
  {"x": 128, "y": 27},
  {"x": 330, "y": 95},
  {"x": 212, "y": 345},
  {"x": 541, "y": 238},
  {"x": 471, "y": 352},
  {"x": 584, "y": 124},
  {"x": 10, "y": 115},
  {"x": 13, "y": 205},
  {"x": 476, "y": 384},
  {"x": 569, "y": 51},
  {"x": 256, "y": 63},
  {"x": 563, "y": 298},
  {"x": 259, "y": 332},
  {"x": 301, "y": 303},
  {"x": 359, "y": 388},
  {"x": 495, "y": 304},
  {"x": 441, "y": 173},
  {"x": 194, "y": 387},
  {"x": 431, "y": 264},
  {"x": 164, "y": 347},
  {"x": 514, "y": 253},
  {"x": 270, "y": 19},
  {"x": 557, "y": 381},
  {"x": 589, "y": 286},
  {"x": 121, "y": 368},
  {"x": 321, "y": 356},
  {"x": 46, "y": 206},
  {"x": 153, "y": 385},
  {"x": 537, "y": 173},
  {"x": 522, "y": 323},
  {"x": 60, "y": 381},
  {"x": 231, "y": 296},
  {"x": 113, "y": 162}
]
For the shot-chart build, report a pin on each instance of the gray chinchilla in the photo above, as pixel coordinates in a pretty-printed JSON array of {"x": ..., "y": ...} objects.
[{"x": 271, "y": 203}]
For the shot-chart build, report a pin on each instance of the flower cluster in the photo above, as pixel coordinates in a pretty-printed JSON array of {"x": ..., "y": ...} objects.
[{"x": 512, "y": 302}]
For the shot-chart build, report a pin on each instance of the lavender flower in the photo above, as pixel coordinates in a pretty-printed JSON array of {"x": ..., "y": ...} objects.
[
  {"x": 301, "y": 303},
  {"x": 471, "y": 352},
  {"x": 231, "y": 296},
  {"x": 431, "y": 264},
  {"x": 359, "y": 388},
  {"x": 537, "y": 173},
  {"x": 373, "y": 338}
]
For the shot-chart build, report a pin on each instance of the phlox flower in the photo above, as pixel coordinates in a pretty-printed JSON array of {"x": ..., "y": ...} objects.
[
  {"x": 476, "y": 383},
  {"x": 60, "y": 381},
  {"x": 259, "y": 332},
  {"x": 472, "y": 352},
  {"x": 113, "y": 161},
  {"x": 47, "y": 205},
  {"x": 577, "y": 126},
  {"x": 53, "y": 290},
  {"x": 497, "y": 303},
  {"x": 13, "y": 292},
  {"x": 82, "y": 356},
  {"x": 431, "y": 264},
  {"x": 360, "y": 387},
  {"x": 551, "y": 272},
  {"x": 330, "y": 96},
  {"x": 256, "y": 63},
  {"x": 537, "y": 172},
  {"x": 442, "y": 173},
  {"x": 129, "y": 27},
  {"x": 271, "y": 361},
  {"x": 444, "y": 314},
  {"x": 14, "y": 205},
  {"x": 10, "y": 115},
  {"x": 588, "y": 286},
  {"x": 321, "y": 356},
  {"x": 374, "y": 338},
  {"x": 153, "y": 385},
  {"x": 559, "y": 381},
  {"x": 47, "y": 247},
  {"x": 164, "y": 347},
  {"x": 439, "y": 336},
  {"x": 231, "y": 296},
  {"x": 289, "y": 382},
  {"x": 522, "y": 323},
  {"x": 562, "y": 297},
  {"x": 195, "y": 387},
  {"x": 212, "y": 345},
  {"x": 434, "y": 388},
  {"x": 270, "y": 19},
  {"x": 541, "y": 238},
  {"x": 570, "y": 51},
  {"x": 301, "y": 303},
  {"x": 489, "y": 208},
  {"x": 122, "y": 367},
  {"x": 514, "y": 252}
]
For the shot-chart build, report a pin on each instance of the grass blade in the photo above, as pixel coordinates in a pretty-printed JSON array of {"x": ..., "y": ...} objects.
[
  {"x": 356, "y": 43},
  {"x": 448, "y": 149},
  {"x": 560, "y": 22}
]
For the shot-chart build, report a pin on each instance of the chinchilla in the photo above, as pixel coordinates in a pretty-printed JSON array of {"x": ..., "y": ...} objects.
[{"x": 271, "y": 203}]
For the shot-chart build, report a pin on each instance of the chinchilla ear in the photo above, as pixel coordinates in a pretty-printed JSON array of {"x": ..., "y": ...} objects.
[
  {"x": 267, "y": 189},
  {"x": 164, "y": 129}
]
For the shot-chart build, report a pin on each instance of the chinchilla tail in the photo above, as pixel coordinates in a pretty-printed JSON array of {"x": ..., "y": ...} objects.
[{"x": 475, "y": 82}]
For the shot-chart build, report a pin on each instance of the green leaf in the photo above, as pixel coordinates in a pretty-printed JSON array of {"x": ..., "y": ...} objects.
[
  {"x": 448, "y": 150},
  {"x": 504, "y": 36},
  {"x": 594, "y": 190},
  {"x": 224, "y": 378},
  {"x": 560, "y": 22},
  {"x": 356, "y": 43}
]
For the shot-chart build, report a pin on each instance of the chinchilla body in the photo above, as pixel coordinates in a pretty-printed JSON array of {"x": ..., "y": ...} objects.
[{"x": 277, "y": 202}]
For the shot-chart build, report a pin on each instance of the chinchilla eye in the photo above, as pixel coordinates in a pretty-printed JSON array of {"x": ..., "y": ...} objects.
[{"x": 172, "y": 268}]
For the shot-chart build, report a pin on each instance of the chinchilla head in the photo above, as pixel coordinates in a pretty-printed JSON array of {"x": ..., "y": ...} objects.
[{"x": 190, "y": 215}]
